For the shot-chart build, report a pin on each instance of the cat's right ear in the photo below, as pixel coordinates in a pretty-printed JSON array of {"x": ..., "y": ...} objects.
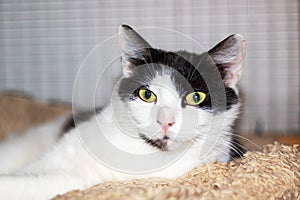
[
  {"x": 229, "y": 55},
  {"x": 133, "y": 47}
]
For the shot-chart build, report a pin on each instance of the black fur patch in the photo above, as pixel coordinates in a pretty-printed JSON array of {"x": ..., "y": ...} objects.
[
  {"x": 193, "y": 73},
  {"x": 237, "y": 150},
  {"x": 161, "y": 144},
  {"x": 79, "y": 118}
]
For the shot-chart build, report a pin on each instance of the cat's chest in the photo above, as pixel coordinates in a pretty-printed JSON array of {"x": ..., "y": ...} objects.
[{"x": 117, "y": 148}]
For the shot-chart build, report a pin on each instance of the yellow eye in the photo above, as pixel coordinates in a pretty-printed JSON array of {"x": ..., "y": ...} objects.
[
  {"x": 195, "y": 98},
  {"x": 147, "y": 95}
]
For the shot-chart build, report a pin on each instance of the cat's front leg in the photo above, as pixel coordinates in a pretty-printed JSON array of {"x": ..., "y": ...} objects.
[
  {"x": 36, "y": 187},
  {"x": 19, "y": 150}
]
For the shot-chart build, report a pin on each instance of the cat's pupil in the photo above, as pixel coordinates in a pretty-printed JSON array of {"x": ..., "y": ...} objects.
[
  {"x": 147, "y": 94},
  {"x": 196, "y": 97}
]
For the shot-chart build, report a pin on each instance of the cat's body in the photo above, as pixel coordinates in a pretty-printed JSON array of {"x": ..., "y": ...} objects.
[{"x": 164, "y": 119}]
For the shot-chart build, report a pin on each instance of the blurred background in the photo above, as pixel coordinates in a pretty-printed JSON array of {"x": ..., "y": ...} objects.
[{"x": 44, "y": 43}]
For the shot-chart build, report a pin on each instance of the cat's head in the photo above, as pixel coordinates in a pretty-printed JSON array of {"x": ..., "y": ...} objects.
[{"x": 173, "y": 96}]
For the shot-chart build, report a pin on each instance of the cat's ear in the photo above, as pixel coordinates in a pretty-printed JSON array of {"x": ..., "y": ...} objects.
[
  {"x": 133, "y": 47},
  {"x": 229, "y": 56}
]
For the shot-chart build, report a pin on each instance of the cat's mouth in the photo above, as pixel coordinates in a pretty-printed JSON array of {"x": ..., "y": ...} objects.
[{"x": 161, "y": 144}]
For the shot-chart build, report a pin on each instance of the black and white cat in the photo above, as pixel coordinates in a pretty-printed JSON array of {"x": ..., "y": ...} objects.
[{"x": 170, "y": 112}]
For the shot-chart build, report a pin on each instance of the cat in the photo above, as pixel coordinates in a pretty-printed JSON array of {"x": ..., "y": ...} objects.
[{"x": 171, "y": 112}]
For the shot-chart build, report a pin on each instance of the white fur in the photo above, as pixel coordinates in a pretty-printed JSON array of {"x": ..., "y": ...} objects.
[
  {"x": 19, "y": 150},
  {"x": 72, "y": 163}
]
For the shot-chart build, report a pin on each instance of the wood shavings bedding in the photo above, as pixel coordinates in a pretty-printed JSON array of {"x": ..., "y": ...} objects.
[{"x": 272, "y": 173}]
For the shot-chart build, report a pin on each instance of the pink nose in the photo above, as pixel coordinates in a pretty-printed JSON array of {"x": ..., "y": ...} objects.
[
  {"x": 166, "y": 125},
  {"x": 166, "y": 118}
]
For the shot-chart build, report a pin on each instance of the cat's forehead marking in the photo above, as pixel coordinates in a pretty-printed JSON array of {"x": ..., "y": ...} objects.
[
  {"x": 184, "y": 72},
  {"x": 164, "y": 81},
  {"x": 163, "y": 84}
]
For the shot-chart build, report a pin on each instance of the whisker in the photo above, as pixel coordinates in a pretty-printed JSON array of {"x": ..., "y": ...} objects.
[
  {"x": 236, "y": 150},
  {"x": 226, "y": 153},
  {"x": 227, "y": 133},
  {"x": 234, "y": 146},
  {"x": 248, "y": 140},
  {"x": 239, "y": 145}
]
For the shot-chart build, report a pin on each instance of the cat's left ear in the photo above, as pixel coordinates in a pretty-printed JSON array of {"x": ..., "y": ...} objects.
[
  {"x": 229, "y": 56},
  {"x": 133, "y": 47}
]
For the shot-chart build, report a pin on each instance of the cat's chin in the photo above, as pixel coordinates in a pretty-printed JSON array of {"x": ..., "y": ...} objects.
[
  {"x": 161, "y": 143},
  {"x": 175, "y": 145},
  {"x": 165, "y": 144}
]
